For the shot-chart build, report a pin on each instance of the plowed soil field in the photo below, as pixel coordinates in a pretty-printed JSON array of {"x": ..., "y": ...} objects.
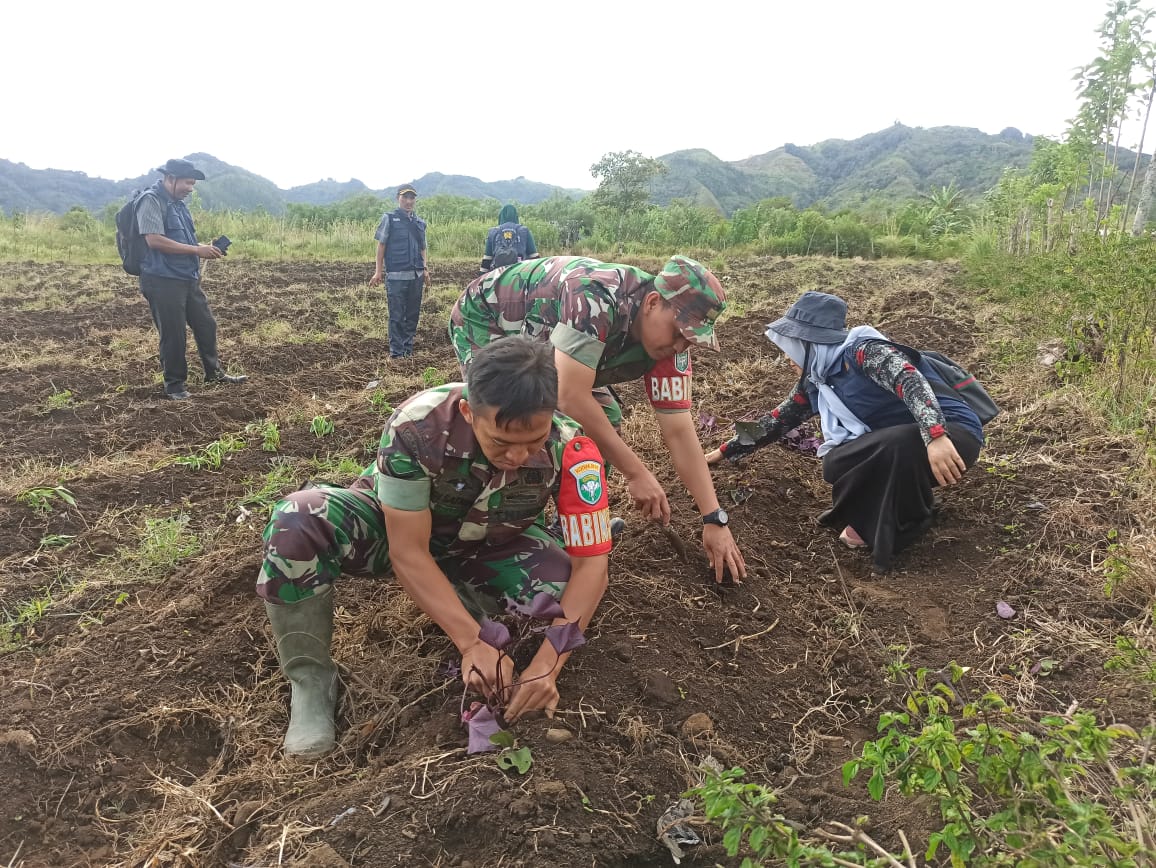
[{"x": 141, "y": 706}]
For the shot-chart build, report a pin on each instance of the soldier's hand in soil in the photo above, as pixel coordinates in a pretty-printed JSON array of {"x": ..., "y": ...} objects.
[
  {"x": 376, "y": 279},
  {"x": 208, "y": 251},
  {"x": 714, "y": 457},
  {"x": 537, "y": 688},
  {"x": 946, "y": 465},
  {"x": 723, "y": 551},
  {"x": 649, "y": 497},
  {"x": 480, "y": 660}
]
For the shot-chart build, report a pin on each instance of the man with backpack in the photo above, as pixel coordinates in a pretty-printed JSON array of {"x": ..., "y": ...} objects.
[
  {"x": 170, "y": 276},
  {"x": 401, "y": 259},
  {"x": 508, "y": 242}
]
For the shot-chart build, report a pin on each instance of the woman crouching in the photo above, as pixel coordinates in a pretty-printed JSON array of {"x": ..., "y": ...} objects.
[{"x": 888, "y": 440}]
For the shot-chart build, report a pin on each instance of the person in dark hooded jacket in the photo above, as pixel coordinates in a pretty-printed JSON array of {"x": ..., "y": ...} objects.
[{"x": 508, "y": 242}]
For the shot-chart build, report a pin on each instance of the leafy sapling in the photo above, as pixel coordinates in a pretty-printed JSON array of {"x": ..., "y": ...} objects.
[
  {"x": 321, "y": 426},
  {"x": 483, "y": 719},
  {"x": 41, "y": 498}
]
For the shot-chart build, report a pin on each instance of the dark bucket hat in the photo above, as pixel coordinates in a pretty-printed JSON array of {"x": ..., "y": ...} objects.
[
  {"x": 816, "y": 317},
  {"x": 181, "y": 169}
]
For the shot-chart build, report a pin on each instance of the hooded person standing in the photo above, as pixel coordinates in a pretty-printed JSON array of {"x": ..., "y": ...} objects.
[
  {"x": 508, "y": 242},
  {"x": 889, "y": 435},
  {"x": 401, "y": 259}
]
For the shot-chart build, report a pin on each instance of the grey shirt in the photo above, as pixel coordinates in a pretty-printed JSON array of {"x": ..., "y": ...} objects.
[{"x": 150, "y": 215}]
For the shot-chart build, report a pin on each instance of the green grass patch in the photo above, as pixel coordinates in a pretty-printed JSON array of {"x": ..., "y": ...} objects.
[
  {"x": 164, "y": 543},
  {"x": 212, "y": 456}
]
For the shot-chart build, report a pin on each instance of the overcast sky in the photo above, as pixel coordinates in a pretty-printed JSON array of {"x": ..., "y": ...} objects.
[{"x": 390, "y": 90}]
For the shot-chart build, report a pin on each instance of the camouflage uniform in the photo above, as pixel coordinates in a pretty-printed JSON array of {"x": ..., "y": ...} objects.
[
  {"x": 487, "y": 530},
  {"x": 586, "y": 309}
]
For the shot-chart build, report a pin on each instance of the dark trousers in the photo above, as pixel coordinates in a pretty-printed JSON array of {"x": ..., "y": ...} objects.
[
  {"x": 175, "y": 304},
  {"x": 404, "y": 297},
  {"x": 882, "y": 486}
]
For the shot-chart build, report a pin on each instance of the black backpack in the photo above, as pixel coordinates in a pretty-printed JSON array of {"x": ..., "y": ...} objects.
[
  {"x": 508, "y": 245},
  {"x": 958, "y": 383},
  {"x": 130, "y": 244}
]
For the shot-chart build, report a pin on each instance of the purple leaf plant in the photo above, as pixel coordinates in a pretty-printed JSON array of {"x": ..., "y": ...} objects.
[
  {"x": 480, "y": 724},
  {"x": 565, "y": 637},
  {"x": 495, "y": 634},
  {"x": 750, "y": 430},
  {"x": 483, "y": 719},
  {"x": 802, "y": 439}
]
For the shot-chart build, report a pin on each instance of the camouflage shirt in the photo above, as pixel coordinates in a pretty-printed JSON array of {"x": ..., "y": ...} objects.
[
  {"x": 428, "y": 458},
  {"x": 584, "y": 307}
]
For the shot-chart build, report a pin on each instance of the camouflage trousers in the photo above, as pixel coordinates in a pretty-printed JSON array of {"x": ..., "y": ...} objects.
[{"x": 317, "y": 534}]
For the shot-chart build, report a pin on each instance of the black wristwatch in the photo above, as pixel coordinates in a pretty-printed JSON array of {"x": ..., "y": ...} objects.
[{"x": 719, "y": 517}]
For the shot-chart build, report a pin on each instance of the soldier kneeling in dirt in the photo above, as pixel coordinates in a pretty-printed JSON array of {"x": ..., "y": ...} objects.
[
  {"x": 454, "y": 505},
  {"x": 608, "y": 323}
]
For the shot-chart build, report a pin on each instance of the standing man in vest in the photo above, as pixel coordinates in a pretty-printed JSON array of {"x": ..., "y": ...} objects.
[
  {"x": 508, "y": 242},
  {"x": 401, "y": 258},
  {"x": 170, "y": 278}
]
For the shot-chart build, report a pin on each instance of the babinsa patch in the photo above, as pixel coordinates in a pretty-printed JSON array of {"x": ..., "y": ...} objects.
[{"x": 588, "y": 475}]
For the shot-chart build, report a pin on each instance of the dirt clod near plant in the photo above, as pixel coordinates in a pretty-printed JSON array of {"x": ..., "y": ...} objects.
[{"x": 143, "y": 708}]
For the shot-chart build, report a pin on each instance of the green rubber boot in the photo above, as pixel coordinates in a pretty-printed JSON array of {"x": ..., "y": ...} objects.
[{"x": 303, "y": 632}]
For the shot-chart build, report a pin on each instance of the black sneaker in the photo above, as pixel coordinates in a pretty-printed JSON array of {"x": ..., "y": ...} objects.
[{"x": 226, "y": 379}]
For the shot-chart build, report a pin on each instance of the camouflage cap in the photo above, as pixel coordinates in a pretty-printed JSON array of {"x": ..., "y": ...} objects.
[{"x": 697, "y": 297}]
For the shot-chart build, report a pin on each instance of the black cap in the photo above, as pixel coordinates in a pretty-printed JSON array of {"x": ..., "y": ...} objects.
[
  {"x": 406, "y": 188},
  {"x": 181, "y": 169}
]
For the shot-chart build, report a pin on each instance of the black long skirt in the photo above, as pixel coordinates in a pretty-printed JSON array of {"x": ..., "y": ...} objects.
[{"x": 882, "y": 486}]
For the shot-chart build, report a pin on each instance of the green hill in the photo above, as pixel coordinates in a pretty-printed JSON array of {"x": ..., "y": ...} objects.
[
  {"x": 882, "y": 168},
  {"x": 891, "y": 165},
  {"x": 229, "y": 187}
]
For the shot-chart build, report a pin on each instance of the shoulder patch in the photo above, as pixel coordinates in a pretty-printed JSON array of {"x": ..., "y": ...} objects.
[
  {"x": 588, "y": 476},
  {"x": 583, "y": 509}
]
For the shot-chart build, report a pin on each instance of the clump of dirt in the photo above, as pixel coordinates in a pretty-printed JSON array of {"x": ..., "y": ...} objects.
[{"x": 144, "y": 708}]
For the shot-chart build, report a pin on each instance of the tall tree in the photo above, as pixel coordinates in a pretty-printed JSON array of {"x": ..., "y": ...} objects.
[
  {"x": 1107, "y": 85},
  {"x": 623, "y": 181},
  {"x": 1145, "y": 200}
]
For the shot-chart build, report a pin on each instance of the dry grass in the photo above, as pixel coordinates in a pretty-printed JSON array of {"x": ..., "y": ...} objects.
[{"x": 235, "y": 799}]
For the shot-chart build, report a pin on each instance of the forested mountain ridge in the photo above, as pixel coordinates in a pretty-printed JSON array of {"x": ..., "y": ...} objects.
[
  {"x": 892, "y": 165},
  {"x": 231, "y": 187},
  {"x": 882, "y": 168}
]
